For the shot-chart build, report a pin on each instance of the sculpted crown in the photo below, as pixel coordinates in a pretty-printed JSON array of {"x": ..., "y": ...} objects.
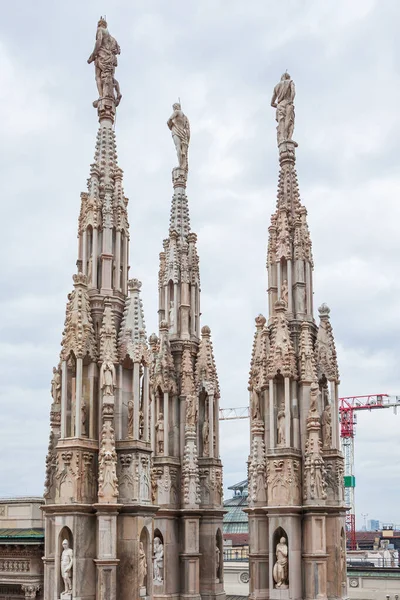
[
  {"x": 324, "y": 310},
  {"x": 102, "y": 22},
  {"x": 280, "y": 305},
  {"x": 134, "y": 285},
  {"x": 80, "y": 278},
  {"x": 164, "y": 326},
  {"x": 260, "y": 320}
]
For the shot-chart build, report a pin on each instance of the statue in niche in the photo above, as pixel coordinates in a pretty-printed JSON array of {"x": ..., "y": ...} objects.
[
  {"x": 158, "y": 561},
  {"x": 66, "y": 567},
  {"x": 205, "y": 434},
  {"x": 171, "y": 315},
  {"x": 255, "y": 406},
  {"x": 281, "y": 427},
  {"x": 285, "y": 292},
  {"x": 180, "y": 129},
  {"x": 217, "y": 561},
  {"x": 283, "y": 241},
  {"x": 191, "y": 411},
  {"x": 142, "y": 570},
  {"x": 107, "y": 378},
  {"x": 314, "y": 397},
  {"x": 141, "y": 424},
  {"x": 326, "y": 422},
  {"x": 90, "y": 270},
  {"x": 104, "y": 56},
  {"x": 130, "y": 419},
  {"x": 84, "y": 417},
  {"x": 160, "y": 433},
  {"x": 56, "y": 386},
  {"x": 282, "y": 100},
  {"x": 144, "y": 481},
  {"x": 280, "y": 571}
]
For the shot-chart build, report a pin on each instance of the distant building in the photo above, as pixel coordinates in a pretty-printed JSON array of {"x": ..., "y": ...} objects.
[
  {"x": 236, "y": 523},
  {"x": 373, "y": 525}
]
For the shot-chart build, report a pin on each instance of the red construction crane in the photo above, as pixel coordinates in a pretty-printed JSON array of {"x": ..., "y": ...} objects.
[{"x": 348, "y": 419}]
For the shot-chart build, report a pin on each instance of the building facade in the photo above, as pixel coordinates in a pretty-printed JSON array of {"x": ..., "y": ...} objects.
[{"x": 296, "y": 503}]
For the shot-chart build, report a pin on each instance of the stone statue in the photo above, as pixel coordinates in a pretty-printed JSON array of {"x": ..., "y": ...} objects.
[
  {"x": 281, "y": 427},
  {"x": 90, "y": 270},
  {"x": 280, "y": 572},
  {"x": 285, "y": 292},
  {"x": 205, "y": 434},
  {"x": 107, "y": 378},
  {"x": 282, "y": 100},
  {"x": 158, "y": 561},
  {"x": 180, "y": 129},
  {"x": 66, "y": 567},
  {"x": 56, "y": 386},
  {"x": 83, "y": 417},
  {"x": 191, "y": 411},
  {"x": 314, "y": 395},
  {"x": 326, "y": 422},
  {"x": 255, "y": 406},
  {"x": 171, "y": 314},
  {"x": 217, "y": 561},
  {"x": 160, "y": 433},
  {"x": 130, "y": 419},
  {"x": 104, "y": 57},
  {"x": 141, "y": 424},
  {"x": 142, "y": 570}
]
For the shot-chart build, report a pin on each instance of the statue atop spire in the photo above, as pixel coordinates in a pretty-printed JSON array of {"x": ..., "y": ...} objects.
[
  {"x": 104, "y": 57},
  {"x": 180, "y": 130},
  {"x": 282, "y": 100}
]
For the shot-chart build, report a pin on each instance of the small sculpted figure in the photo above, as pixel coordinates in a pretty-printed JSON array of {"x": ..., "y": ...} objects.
[
  {"x": 191, "y": 411},
  {"x": 104, "y": 56},
  {"x": 280, "y": 571},
  {"x": 56, "y": 386},
  {"x": 205, "y": 434},
  {"x": 326, "y": 422},
  {"x": 130, "y": 419},
  {"x": 282, "y": 100},
  {"x": 180, "y": 130},
  {"x": 255, "y": 406},
  {"x": 281, "y": 427},
  {"x": 158, "y": 561},
  {"x": 66, "y": 567},
  {"x": 217, "y": 561},
  {"x": 160, "y": 433},
  {"x": 107, "y": 378},
  {"x": 142, "y": 565},
  {"x": 314, "y": 396},
  {"x": 285, "y": 292}
]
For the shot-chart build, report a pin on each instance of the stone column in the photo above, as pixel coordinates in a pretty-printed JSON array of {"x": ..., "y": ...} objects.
[
  {"x": 288, "y": 416},
  {"x": 106, "y": 561},
  {"x": 84, "y": 252},
  {"x": 190, "y": 558},
  {"x": 272, "y": 427},
  {"x": 64, "y": 375},
  {"x": 290, "y": 283},
  {"x": 117, "y": 283},
  {"x": 211, "y": 425},
  {"x": 30, "y": 590},
  {"x": 94, "y": 258},
  {"x": 136, "y": 399},
  {"x": 78, "y": 398},
  {"x": 166, "y": 424}
]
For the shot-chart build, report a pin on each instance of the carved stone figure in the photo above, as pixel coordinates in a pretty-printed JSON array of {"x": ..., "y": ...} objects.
[
  {"x": 158, "y": 561},
  {"x": 142, "y": 570},
  {"x": 84, "y": 417},
  {"x": 326, "y": 422},
  {"x": 66, "y": 567},
  {"x": 280, "y": 571},
  {"x": 281, "y": 427},
  {"x": 171, "y": 314},
  {"x": 285, "y": 292},
  {"x": 141, "y": 424},
  {"x": 56, "y": 386},
  {"x": 180, "y": 129},
  {"x": 160, "y": 433},
  {"x": 107, "y": 378},
  {"x": 205, "y": 434},
  {"x": 104, "y": 57},
  {"x": 314, "y": 396},
  {"x": 90, "y": 270},
  {"x": 255, "y": 406},
  {"x": 217, "y": 561},
  {"x": 191, "y": 411},
  {"x": 130, "y": 419},
  {"x": 282, "y": 100}
]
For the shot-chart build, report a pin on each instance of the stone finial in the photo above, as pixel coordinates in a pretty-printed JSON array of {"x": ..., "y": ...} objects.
[
  {"x": 164, "y": 326},
  {"x": 153, "y": 340},
  {"x": 205, "y": 331},
  {"x": 324, "y": 310},
  {"x": 134, "y": 285},
  {"x": 260, "y": 321}
]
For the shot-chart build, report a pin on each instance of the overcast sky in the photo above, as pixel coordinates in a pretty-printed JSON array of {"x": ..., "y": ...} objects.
[{"x": 222, "y": 58}]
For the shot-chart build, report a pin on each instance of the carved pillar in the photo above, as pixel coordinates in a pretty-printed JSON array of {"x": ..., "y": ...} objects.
[
  {"x": 64, "y": 375},
  {"x": 272, "y": 428},
  {"x": 117, "y": 283},
  {"x": 30, "y": 590},
  {"x": 146, "y": 404},
  {"x": 288, "y": 416},
  {"x": 290, "y": 283},
  {"x": 166, "y": 424},
  {"x": 190, "y": 558},
  {"x": 78, "y": 398},
  {"x": 94, "y": 258},
  {"x": 175, "y": 328},
  {"x": 84, "y": 252},
  {"x": 211, "y": 425},
  {"x": 136, "y": 399}
]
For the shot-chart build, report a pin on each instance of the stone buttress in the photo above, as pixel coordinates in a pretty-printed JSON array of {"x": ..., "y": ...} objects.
[{"x": 295, "y": 465}]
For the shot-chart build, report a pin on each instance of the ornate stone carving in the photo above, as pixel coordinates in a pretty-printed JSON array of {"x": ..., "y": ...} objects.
[
  {"x": 325, "y": 350},
  {"x": 187, "y": 374},
  {"x": 314, "y": 467},
  {"x": 206, "y": 372},
  {"x": 282, "y": 100},
  {"x": 179, "y": 125},
  {"x": 66, "y": 568},
  {"x": 283, "y": 249},
  {"x": 104, "y": 56},
  {"x": 158, "y": 561},
  {"x": 144, "y": 479},
  {"x": 78, "y": 334},
  {"x": 285, "y": 292},
  {"x": 258, "y": 379},
  {"x": 191, "y": 411},
  {"x": 142, "y": 568},
  {"x": 280, "y": 570},
  {"x": 281, "y": 422},
  {"x": 326, "y": 422},
  {"x": 15, "y": 566},
  {"x": 108, "y": 482},
  {"x": 51, "y": 467},
  {"x": 30, "y": 590},
  {"x": 163, "y": 368},
  {"x": 257, "y": 465},
  {"x": 190, "y": 469},
  {"x": 205, "y": 432},
  {"x": 307, "y": 357},
  {"x": 281, "y": 355},
  {"x": 160, "y": 433},
  {"x": 283, "y": 480},
  {"x": 132, "y": 335}
]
